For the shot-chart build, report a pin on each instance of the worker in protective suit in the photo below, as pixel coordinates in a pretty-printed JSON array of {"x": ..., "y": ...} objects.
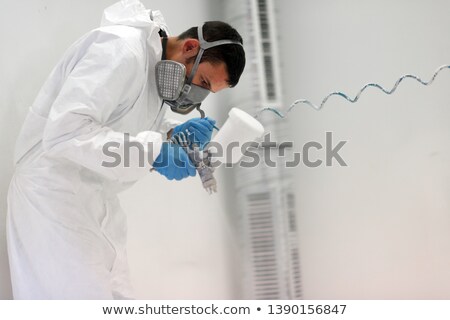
[{"x": 66, "y": 231}]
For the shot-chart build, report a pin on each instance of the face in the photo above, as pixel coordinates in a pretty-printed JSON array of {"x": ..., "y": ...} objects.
[{"x": 210, "y": 76}]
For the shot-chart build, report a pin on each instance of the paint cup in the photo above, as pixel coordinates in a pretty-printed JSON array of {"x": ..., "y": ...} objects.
[{"x": 239, "y": 129}]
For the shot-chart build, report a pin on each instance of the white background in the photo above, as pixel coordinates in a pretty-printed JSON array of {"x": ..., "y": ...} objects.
[{"x": 377, "y": 229}]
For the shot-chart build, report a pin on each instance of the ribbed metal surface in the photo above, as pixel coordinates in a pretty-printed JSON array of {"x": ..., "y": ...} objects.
[
  {"x": 265, "y": 202},
  {"x": 294, "y": 263},
  {"x": 263, "y": 249},
  {"x": 266, "y": 43}
]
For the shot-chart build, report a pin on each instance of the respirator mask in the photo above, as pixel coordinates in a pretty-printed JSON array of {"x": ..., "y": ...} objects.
[{"x": 175, "y": 88}]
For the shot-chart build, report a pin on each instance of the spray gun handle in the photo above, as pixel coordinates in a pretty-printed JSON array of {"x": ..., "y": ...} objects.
[{"x": 201, "y": 161}]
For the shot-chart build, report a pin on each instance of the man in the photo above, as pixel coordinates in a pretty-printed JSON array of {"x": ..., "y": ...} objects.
[{"x": 66, "y": 231}]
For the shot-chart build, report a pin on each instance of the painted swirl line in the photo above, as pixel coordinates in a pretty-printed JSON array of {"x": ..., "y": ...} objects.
[{"x": 356, "y": 98}]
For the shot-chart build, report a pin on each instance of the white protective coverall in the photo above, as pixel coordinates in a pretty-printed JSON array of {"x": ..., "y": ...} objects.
[{"x": 66, "y": 231}]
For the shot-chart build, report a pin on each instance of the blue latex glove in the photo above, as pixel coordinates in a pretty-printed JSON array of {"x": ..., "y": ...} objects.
[
  {"x": 173, "y": 162},
  {"x": 198, "y": 130}
]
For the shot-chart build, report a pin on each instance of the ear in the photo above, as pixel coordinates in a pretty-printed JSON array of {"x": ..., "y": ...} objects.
[{"x": 190, "y": 48}]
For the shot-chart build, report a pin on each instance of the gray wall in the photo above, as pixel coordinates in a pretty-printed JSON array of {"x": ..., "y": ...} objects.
[{"x": 379, "y": 228}]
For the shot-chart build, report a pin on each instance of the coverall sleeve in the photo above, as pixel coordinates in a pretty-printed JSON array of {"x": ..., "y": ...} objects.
[
  {"x": 108, "y": 76},
  {"x": 167, "y": 124}
]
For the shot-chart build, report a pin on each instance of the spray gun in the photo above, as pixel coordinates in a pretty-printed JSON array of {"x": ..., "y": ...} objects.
[
  {"x": 239, "y": 128},
  {"x": 201, "y": 159}
]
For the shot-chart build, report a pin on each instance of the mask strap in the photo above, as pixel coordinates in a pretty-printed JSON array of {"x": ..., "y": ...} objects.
[
  {"x": 164, "y": 45},
  {"x": 195, "y": 67},
  {"x": 162, "y": 33},
  {"x": 203, "y": 46},
  {"x": 164, "y": 37},
  {"x": 206, "y": 45}
]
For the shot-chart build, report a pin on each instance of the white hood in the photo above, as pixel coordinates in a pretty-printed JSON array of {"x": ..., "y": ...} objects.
[{"x": 132, "y": 13}]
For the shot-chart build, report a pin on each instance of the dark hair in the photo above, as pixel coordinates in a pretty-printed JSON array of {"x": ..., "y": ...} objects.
[{"x": 233, "y": 55}]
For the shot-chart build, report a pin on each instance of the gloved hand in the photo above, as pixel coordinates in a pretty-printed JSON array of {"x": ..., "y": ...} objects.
[
  {"x": 197, "y": 130},
  {"x": 173, "y": 162}
]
